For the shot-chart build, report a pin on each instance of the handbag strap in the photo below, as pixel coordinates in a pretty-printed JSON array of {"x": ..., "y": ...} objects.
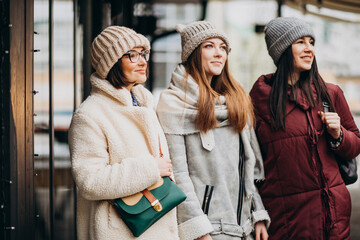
[
  {"x": 161, "y": 153},
  {"x": 155, "y": 203}
]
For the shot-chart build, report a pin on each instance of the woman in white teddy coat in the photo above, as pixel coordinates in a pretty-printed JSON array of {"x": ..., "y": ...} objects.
[{"x": 115, "y": 139}]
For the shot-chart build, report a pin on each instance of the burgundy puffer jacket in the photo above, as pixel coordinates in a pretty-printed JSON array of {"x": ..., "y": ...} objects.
[{"x": 303, "y": 190}]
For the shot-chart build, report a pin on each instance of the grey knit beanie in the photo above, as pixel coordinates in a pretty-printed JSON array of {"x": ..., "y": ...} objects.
[
  {"x": 193, "y": 34},
  {"x": 281, "y": 32},
  {"x": 111, "y": 44}
]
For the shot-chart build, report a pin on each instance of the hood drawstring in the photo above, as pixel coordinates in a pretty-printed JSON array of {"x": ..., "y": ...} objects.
[
  {"x": 313, "y": 132},
  {"x": 314, "y": 138}
]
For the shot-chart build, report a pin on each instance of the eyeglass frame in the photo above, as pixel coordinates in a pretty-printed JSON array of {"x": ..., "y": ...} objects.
[{"x": 144, "y": 53}]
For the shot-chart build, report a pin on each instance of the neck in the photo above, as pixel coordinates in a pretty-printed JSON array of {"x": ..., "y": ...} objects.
[
  {"x": 129, "y": 87},
  {"x": 293, "y": 78},
  {"x": 208, "y": 77}
]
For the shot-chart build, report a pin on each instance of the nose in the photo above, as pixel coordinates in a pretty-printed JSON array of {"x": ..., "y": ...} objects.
[
  {"x": 219, "y": 52},
  {"x": 309, "y": 46},
  {"x": 142, "y": 60}
]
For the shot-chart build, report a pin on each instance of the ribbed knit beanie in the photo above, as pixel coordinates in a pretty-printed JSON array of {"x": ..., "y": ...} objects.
[
  {"x": 111, "y": 44},
  {"x": 193, "y": 34},
  {"x": 281, "y": 32}
]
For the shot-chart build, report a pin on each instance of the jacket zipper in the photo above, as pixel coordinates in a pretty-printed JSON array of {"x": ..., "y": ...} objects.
[
  {"x": 241, "y": 179},
  {"x": 207, "y": 198}
]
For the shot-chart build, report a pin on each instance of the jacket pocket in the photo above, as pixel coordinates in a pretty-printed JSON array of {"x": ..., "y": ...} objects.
[
  {"x": 114, "y": 217},
  {"x": 207, "y": 198}
]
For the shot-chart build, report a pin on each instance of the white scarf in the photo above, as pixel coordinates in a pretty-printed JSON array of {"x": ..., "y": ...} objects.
[{"x": 178, "y": 105}]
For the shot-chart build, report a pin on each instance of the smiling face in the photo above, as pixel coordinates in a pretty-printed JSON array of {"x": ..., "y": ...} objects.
[
  {"x": 303, "y": 52},
  {"x": 134, "y": 73},
  {"x": 213, "y": 56}
]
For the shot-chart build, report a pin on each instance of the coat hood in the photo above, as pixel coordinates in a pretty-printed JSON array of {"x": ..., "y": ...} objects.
[{"x": 260, "y": 94}]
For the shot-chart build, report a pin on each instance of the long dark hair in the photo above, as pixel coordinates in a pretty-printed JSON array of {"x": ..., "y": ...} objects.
[
  {"x": 278, "y": 94},
  {"x": 238, "y": 102}
]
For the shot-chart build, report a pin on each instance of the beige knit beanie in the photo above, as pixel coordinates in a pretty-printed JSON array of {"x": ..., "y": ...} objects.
[
  {"x": 193, "y": 34},
  {"x": 111, "y": 44}
]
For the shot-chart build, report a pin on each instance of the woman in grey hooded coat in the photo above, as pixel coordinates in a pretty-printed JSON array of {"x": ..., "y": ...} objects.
[{"x": 207, "y": 118}]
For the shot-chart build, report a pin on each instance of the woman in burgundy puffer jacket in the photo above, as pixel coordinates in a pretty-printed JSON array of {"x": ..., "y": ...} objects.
[{"x": 303, "y": 191}]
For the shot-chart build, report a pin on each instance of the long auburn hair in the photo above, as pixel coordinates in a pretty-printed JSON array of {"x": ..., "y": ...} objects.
[
  {"x": 239, "y": 105},
  {"x": 279, "y": 83}
]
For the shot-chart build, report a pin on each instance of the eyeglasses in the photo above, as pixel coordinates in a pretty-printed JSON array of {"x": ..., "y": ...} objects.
[{"x": 135, "y": 55}]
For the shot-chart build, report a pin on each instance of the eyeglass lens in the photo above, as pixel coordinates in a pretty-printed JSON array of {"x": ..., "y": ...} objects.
[{"x": 134, "y": 55}]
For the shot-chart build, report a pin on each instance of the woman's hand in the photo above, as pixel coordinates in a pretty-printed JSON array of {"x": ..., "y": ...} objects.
[
  {"x": 332, "y": 122},
  {"x": 260, "y": 231},
  {"x": 165, "y": 166},
  {"x": 205, "y": 237}
]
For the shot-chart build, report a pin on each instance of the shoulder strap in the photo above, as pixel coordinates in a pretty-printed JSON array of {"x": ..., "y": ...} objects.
[{"x": 161, "y": 154}]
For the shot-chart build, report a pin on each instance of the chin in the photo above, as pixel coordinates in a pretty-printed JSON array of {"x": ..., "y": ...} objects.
[
  {"x": 217, "y": 73},
  {"x": 141, "y": 81},
  {"x": 305, "y": 68}
]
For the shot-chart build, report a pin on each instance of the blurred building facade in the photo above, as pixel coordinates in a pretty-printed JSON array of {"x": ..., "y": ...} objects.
[{"x": 45, "y": 69}]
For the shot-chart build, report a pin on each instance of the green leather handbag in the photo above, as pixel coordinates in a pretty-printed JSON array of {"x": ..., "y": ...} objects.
[{"x": 142, "y": 210}]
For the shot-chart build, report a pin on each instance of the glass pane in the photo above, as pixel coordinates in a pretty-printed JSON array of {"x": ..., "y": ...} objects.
[
  {"x": 63, "y": 109},
  {"x": 41, "y": 120},
  {"x": 166, "y": 51}
]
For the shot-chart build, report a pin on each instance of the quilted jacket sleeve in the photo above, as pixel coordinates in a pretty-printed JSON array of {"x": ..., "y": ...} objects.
[
  {"x": 95, "y": 178},
  {"x": 193, "y": 223},
  {"x": 350, "y": 146}
]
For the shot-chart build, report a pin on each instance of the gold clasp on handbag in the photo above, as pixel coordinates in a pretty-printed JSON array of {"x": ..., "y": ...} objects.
[{"x": 157, "y": 205}]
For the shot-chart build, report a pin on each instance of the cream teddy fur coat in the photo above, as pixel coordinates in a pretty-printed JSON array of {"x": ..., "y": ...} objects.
[{"x": 112, "y": 147}]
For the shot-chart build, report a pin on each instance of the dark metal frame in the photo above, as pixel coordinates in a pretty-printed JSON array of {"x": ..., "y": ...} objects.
[
  {"x": 5, "y": 209},
  {"x": 91, "y": 18},
  {"x": 51, "y": 118},
  {"x": 75, "y": 6}
]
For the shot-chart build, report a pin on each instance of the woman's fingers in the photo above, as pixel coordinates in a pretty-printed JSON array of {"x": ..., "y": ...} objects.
[
  {"x": 332, "y": 122},
  {"x": 261, "y": 231},
  {"x": 165, "y": 166}
]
